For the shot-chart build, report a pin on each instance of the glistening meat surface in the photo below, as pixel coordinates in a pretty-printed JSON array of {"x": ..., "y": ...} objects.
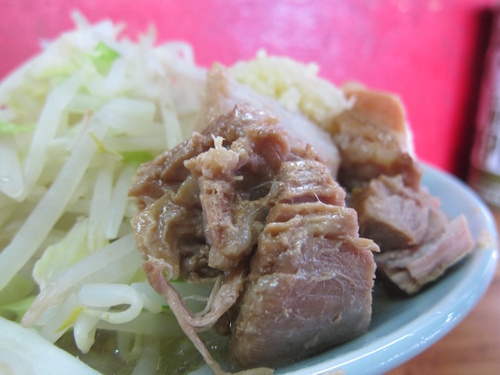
[
  {"x": 210, "y": 192},
  {"x": 247, "y": 199},
  {"x": 373, "y": 139},
  {"x": 310, "y": 280},
  {"x": 417, "y": 241}
]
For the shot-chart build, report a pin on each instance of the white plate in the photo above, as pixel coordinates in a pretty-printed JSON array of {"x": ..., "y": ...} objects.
[{"x": 403, "y": 327}]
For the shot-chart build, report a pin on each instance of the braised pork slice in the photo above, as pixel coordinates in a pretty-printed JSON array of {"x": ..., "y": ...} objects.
[
  {"x": 213, "y": 207},
  {"x": 412, "y": 268},
  {"x": 310, "y": 281},
  {"x": 417, "y": 241},
  {"x": 383, "y": 182},
  {"x": 372, "y": 138},
  {"x": 394, "y": 215}
]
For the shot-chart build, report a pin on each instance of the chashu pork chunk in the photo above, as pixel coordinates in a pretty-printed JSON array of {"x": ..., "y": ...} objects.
[
  {"x": 310, "y": 281},
  {"x": 251, "y": 200},
  {"x": 417, "y": 241},
  {"x": 373, "y": 139}
]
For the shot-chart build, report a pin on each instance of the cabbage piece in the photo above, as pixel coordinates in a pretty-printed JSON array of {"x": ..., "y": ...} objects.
[
  {"x": 104, "y": 57},
  {"x": 11, "y": 174},
  {"x": 11, "y": 128},
  {"x": 62, "y": 255},
  {"x": 15, "y": 298},
  {"x": 15, "y": 310}
]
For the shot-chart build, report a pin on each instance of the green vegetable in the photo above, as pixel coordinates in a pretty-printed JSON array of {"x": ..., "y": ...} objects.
[
  {"x": 15, "y": 310},
  {"x": 137, "y": 157},
  {"x": 11, "y": 128},
  {"x": 15, "y": 298},
  {"x": 104, "y": 57},
  {"x": 18, "y": 288}
]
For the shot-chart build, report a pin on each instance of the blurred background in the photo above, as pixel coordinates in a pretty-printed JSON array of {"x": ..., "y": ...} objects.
[{"x": 429, "y": 52}]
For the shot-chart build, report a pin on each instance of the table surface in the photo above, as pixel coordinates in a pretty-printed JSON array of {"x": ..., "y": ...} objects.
[{"x": 472, "y": 347}]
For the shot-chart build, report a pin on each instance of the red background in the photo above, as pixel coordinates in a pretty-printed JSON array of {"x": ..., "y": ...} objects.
[{"x": 430, "y": 52}]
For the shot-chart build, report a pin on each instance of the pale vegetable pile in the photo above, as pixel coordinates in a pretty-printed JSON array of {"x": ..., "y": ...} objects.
[{"x": 75, "y": 123}]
